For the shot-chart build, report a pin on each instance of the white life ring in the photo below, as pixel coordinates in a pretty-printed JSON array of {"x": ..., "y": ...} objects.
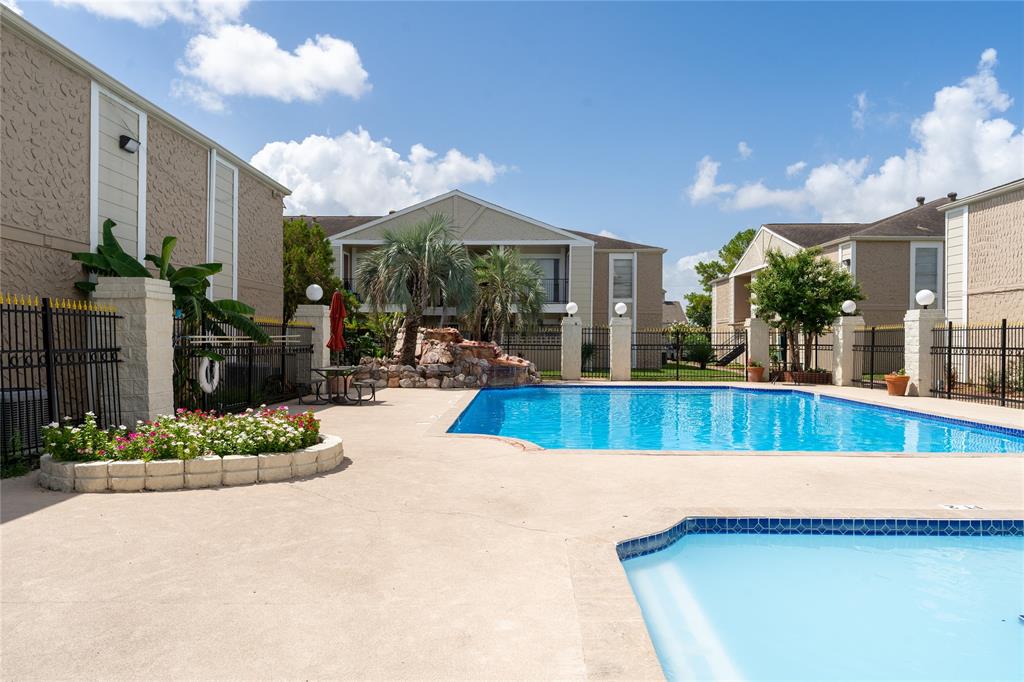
[{"x": 208, "y": 381}]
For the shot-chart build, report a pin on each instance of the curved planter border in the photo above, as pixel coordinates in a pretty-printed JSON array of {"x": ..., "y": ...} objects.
[{"x": 203, "y": 472}]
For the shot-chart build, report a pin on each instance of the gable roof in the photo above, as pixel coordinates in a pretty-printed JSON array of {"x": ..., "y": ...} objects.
[
  {"x": 812, "y": 234},
  {"x": 336, "y": 224},
  {"x": 603, "y": 243}
]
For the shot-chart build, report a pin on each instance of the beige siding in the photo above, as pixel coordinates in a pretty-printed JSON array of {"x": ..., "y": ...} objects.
[
  {"x": 954, "y": 287},
  {"x": 223, "y": 247},
  {"x": 722, "y": 303},
  {"x": 883, "y": 272},
  {"x": 763, "y": 242},
  {"x": 118, "y": 193},
  {"x": 581, "y": 271},
  {"x": 995, "y": 265},
  {"x": 44, "y": 169},
  {"x": 649, "y": 292},
  {"x": 601, "y": 311}
]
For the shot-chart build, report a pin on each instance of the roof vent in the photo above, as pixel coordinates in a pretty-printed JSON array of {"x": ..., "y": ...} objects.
[
  {"x": 951, "y": 196},
  {"x": 391, "y": 211},
  {"x": 920, "y": 201}
]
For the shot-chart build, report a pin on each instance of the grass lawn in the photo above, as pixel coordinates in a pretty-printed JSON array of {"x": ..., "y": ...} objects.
[{"x": 688, "y": 372}]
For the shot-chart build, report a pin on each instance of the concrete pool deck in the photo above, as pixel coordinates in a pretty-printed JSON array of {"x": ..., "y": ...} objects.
[{"x": 422, "y": 557}]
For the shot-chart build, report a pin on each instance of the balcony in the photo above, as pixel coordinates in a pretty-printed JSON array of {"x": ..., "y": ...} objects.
[{"x": 556, "y": 292}]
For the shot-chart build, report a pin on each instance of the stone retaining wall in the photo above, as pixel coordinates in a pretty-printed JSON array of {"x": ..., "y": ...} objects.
[{"x": 203, "y": 472}]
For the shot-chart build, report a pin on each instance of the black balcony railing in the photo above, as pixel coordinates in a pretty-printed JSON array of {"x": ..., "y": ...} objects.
[{"x": 556, "y": 290}]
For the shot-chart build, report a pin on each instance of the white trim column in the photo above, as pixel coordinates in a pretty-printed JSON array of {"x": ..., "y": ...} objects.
[
  {"x": 572, "y": 349},
  {"x": 918, "y": 348},
  {"x": 319, "y": 317},
  {"x": 843, "y": 332},
  {"x": 620, "y": 334}
]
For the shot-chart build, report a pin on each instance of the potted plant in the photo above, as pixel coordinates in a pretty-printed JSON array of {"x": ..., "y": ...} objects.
[
  {"x": 896, "y": 383},
  {"x": 755, "y": 371}
]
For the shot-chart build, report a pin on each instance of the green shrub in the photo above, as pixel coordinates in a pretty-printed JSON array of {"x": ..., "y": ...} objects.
[{"x": 697, "y": 348}]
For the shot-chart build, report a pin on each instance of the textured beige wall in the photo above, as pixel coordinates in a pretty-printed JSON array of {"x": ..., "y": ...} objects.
[
  {"x": 649, "y": 295},
  {"x": 176, "y": 189},
  {"x": 44, "y": 169},
  {"x": 763, "y": 242},
  {"x": 260, "y": 245},
  {"x": 883, "y": 272},
  {"x": 995, "y": 258}
]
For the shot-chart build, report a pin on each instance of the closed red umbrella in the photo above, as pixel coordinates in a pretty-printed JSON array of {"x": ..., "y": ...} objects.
[{"x": 338, "y": 312}]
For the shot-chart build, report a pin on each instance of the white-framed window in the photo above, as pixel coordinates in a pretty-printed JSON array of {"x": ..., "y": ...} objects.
[
  {"x": 848, "y": 257},
  {"x": 222, "y": 226},
  {"x": 925, "y": 270},
  {"x": 621, "y": 281},
  {"x": 117, "y": 170}
]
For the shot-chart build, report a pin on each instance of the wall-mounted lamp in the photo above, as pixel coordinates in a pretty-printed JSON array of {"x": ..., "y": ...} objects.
[
  {"x": 571, "y": 308},
  {"x": 620, "y": 308},
  {"x": 849, "y": 307},
  {"x": 128, "y": 143},
  {"x": 925, "y": 298}
]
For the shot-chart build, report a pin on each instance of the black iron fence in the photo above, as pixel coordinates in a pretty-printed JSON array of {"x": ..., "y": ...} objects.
[
  {"x": 595, "y": 353},
  {"x": 217, "y": 367},
  {"x": 542, "y": 347},
  {"x": 877, "y": 351},
  {"x": 982, "y": 364},
  {"x": 689, "y": 355},
  {"x": 788, "y": 351},
  {"x": 58, "y": 359}
]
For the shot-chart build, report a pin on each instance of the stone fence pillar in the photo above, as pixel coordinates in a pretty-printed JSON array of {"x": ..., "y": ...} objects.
[
  {"x": 917, "y": 350},
  {"x": 320, "y": 317},
  {"x": 572, "y": 348},
  {"x": 843, "y": 330},
  {"x": 145, "y": 335},
  {"x": 621, "y": 341},
  {"x": 758, "y": 342}
]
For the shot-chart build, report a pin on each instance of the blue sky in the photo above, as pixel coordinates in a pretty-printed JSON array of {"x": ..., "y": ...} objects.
[{"x": 625, "y": 118}]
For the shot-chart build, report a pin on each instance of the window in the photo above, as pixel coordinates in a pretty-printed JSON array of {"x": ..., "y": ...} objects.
[
  {"x": 550, "y": 267},
  {"x": 925, "y": 270},
  {"x": 622, "y": 279},
  {"x": 846, "y": 257}
]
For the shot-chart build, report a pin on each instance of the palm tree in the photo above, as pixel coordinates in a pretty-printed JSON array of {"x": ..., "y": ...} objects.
[
  {"x": 419, "y": 264},
  {"x": 510, "y": 293}
]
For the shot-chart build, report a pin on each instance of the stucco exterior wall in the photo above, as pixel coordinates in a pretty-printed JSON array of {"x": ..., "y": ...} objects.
[
  {"x": 995, "y": 286},
  {"x": 44, "y": 169},
  {"x": 260, "y": 245},
  {"x": 883, "y": 272},
  {"x": 722, "y": 300},
  {"x": 176, "y": 194},
  {"x": 581, "y": 271},
  {"x": 649, "y": 294},
  {"x": 601, "y": 312}
]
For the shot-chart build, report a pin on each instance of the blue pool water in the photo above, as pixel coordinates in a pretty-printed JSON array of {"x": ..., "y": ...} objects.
[
  {"x": 809, "y": 607},
  {"x": 715, "y": 418}
]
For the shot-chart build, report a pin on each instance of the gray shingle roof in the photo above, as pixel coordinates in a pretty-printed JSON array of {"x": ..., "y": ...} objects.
[
  {"x": 602, "y": 242},
  {"x": 919, "y": 221},
  {"x": 336, "y": 224}
]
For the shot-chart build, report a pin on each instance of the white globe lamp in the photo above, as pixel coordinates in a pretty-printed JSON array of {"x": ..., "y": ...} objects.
[
  {"x": 314, "y": 292},
  {"x": 620, "y": 308},
  {"x": 925, "y": 298},
  {"x": 849, "y": 307},
  {"x": 571, "y": 308}
]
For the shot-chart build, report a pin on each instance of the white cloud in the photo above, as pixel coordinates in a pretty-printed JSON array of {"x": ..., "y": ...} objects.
[
  {"x": 704, "y": 187},
  {"x": 609, "y": 234},
  {"x": 744, "y": 149},
  {"x": 155, "y": 12},
  {"x": 203, "y": 97},
  {"x": 681, "y": 278},
  {"x": 860, "y": 110},
  {"x": 354, "y": 174},
  {"x": 961, "y": 144},
  {"x": 11, "y": 5},
  {"x": 795, "y": 168},
  {"x": 242, "y": 60}
]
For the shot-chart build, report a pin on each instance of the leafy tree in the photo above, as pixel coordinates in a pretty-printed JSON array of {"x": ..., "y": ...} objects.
[
  {"x": 308, "y": 259},
  {"x": 510, "y": 293},
  {"x": 802, "y": 293},
  {"x": 419, "y": 264},
  {"x": 698, "y": 309},
  {"x": 728, "y": 256}
]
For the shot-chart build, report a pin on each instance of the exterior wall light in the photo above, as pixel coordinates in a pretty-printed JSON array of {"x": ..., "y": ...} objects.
[
  {"x": 571, "y": 308},
  {"x": 129, "y": 144},
  {"x": 620, "y": 308},
  {"x": 314, "y": 292},
  {"x": 849, "y": 307},
  {"x": 925, "y": 298}
]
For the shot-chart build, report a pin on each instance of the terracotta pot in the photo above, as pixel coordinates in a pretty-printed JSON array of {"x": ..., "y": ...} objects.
[
  {"x": 755, "y": 374},
  {"x": 896, "y": 384}
]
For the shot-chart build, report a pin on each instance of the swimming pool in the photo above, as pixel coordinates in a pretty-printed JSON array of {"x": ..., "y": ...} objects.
[
  {"x": 718, "y": 419},
  {"x": 766, "y": 605}
]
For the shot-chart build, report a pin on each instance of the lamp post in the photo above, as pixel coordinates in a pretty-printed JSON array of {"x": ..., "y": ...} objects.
[
  {"x": 314, "y": 292},
  {"x": 849, "y": 307},
  {"x": 620, "y": 308},
  {"x": 571, "y": 308},
  {"x": 925, "y": 298}
]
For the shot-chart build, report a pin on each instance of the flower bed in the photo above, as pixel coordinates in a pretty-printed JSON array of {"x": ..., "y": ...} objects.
[{"x": 188, "y": 450}]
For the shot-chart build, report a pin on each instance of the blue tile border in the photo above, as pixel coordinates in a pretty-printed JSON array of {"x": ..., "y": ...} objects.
[
  {"x": 1004, "y": 430},
  {"x": 750, "y": 525}
]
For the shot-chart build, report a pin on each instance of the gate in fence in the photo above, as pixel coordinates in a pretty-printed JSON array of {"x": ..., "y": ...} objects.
[
  {"x": 58, "y": 359},
  {"x": 596, "y": 353},
  {"x": 542, "y": 347},
  {"x": 248, "y": 373},
  {"x": 982, "y": 364},
  {"x": 877, "y": 351},
  {"x": 689, "y": 355}
]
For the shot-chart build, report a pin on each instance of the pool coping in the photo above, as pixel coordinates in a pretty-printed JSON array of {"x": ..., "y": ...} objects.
[{"x": 440, "y": 428}]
